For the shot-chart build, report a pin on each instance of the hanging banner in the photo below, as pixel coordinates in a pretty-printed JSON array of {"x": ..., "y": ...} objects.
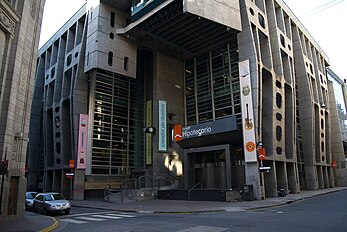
[
  {"x": 148, "y": 135},
  {"x": 162, "y": 127},
  {"x": 247, "y": 112},
  {"x": 82, "y": 141}
]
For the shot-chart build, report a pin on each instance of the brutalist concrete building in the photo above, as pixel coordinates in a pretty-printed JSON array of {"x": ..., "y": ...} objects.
[
  {"x": 192, "y": 95},
  {"x": 20, "y": 23}
]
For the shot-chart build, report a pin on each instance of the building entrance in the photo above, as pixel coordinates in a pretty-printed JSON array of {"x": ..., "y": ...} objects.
[{"x": 210, "y": 169}]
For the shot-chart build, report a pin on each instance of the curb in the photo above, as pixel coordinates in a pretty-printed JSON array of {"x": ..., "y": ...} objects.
[{"x": 52, "y": 227}]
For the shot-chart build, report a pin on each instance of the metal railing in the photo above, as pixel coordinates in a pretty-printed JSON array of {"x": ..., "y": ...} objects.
[{"x": 191, "y": 189}]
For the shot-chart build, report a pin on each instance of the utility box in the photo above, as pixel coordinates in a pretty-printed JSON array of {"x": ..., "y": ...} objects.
[{"x": 246, "y": 192}]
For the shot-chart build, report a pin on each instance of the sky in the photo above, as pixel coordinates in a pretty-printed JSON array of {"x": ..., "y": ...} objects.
[{"x": 325, "y": 20}]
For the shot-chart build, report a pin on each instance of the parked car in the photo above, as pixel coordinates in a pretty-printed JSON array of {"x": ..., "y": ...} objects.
[
  {"x": 51, "y": 202},
  {"x": 29, "y": 199}
]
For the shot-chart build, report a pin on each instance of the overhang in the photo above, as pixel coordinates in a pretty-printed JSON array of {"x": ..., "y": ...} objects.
[{"x": 182, "y": 35}]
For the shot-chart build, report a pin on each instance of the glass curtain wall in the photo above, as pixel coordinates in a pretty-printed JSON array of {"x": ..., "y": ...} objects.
[
  {"x": 212, "y": 86},
  {"x": 118, "y": 121}
]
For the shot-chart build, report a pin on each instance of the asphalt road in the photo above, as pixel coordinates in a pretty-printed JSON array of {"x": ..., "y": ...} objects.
[{"x": 320, "y": 214}]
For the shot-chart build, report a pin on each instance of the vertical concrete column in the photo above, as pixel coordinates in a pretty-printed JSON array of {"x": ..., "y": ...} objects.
[
  {"x": 252, "y": 178},
  {"x": 311, "y": 177},
  {"x": 320, "y": 177},
  {"x": 78, "y": 193},
  {"x": 331, "y": 177},
  {"x": 281, "y": 175},
  {"x": 293, "y": 186},
  {"x": 326, "y": 177},
  {"x": 270, "y": 181}
]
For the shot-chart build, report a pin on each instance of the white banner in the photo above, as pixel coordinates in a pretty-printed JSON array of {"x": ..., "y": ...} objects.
[{"x": 248, "y": 130}]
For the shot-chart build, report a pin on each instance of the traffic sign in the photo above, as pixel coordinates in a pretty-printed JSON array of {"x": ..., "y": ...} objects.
[
  {"x": 261, "y": 153},
  {"x": 334, "y": 164},
  {"x": 72, "y": 163}
]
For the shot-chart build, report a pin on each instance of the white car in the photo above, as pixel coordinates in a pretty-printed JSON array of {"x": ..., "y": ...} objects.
[
  {"x": 51, "y": 202},
  {"x": 29, "y": 199}
]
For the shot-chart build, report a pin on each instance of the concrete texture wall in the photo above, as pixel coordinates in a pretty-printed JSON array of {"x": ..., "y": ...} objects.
[
  {"x": 225, "y": 12},
  {"x": 102, "y": 42},
  {"x": 21, "y": 24}
]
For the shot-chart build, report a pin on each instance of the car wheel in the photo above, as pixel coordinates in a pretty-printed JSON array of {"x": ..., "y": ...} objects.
[{"x": 67, "y": 211}]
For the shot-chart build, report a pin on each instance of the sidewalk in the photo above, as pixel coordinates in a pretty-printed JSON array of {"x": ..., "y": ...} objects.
[
  {"x": 177, "y": 206},
  {"x": 37, "y": 222}
]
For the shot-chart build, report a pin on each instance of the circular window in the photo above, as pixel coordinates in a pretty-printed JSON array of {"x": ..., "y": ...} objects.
[
  {"x": 279, "y": 100},
  {"x": 251, "y": 11},
  {"x": 47, "y": 76},
  {"x": 57, "y": 109},
  {"x": 322, "y": 135},
  {"x": 76, "y": 54},
  {"x": 279, "y": 150},
  {"x": 111, "y": 35},
  {"x": 279, "y": 116},
  {"x": 57, "y": 134},
  {"x": 69, "y": 60},
  {"x": 278, "y": 84},
  {"x": 58, "y": 160}
]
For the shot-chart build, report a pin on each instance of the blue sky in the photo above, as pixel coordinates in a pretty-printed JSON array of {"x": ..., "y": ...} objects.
[{"x": 324, "y": 19}]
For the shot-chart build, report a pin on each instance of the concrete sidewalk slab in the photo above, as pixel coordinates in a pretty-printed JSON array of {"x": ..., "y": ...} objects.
[{"x": 178, "y": 206}]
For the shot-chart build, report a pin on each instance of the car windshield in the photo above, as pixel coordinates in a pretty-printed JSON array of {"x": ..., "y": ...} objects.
[
  {"x": 54, "y": 197},
  {"x": 31, "y": 195}
]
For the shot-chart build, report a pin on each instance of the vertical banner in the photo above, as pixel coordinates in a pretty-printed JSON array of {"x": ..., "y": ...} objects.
[
  {"x": 148, "y": 137},
  {"x": 162, "y": 126},
  {"x": 82, "y": 141},
  {"x": 247, "y": 112}
]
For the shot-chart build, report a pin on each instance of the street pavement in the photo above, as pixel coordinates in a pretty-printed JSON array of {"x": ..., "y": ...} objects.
[{"x": 36, "y": 222}]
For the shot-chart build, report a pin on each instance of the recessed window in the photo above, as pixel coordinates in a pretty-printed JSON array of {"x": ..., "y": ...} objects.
[
  {"x": 323, "y": 158},
  {"x": 278, "y": 133},
  {"x": 112, "y": 21},
  {"x": 57, "y": 109},
  {"x": 53, "y": 72},
  {"x": 111, "y": 35},
  {"x": 68, "y": 60},
  {"x": 58, "y": 160},
  {"x": 322, "y": 135},
  {"x": 261, "y": 20},
  {"x": 282, "y": 41},
  {"x": 57, "y": 122},
  {"x": 251, "y": 11},
  {"x": 279, "y": 100},
  {"x": 76, "y": 54},
  {"x": 322, "y": 123},
  {"x": 289, "y": 47},
  {"x": 47, "y": 76},
  {"x": 110, "y": 58},
  {"x": 126, "y": 63},
  {"x": 278, "y": 84},
  {"x": 279, "y": 150},
  {"x": 279, "y": 116},
  {"x": 58, "y": 147},
  {"x": 322, "y": 146},
  {"x": 311, "y": 68},
  {"x": 57, "y": 134}
]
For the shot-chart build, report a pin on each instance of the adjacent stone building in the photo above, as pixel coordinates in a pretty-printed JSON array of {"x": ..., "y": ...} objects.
[
  {"x": 187, "y": 94},
  {"x": 20, "y": 23}
]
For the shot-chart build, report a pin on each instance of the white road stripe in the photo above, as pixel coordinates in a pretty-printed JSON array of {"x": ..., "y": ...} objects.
[
  {"x": 91, "y": 219},
  {"x": 72, "y": 221},
  {"x": 120, "y": 215},
  {"x": 104, "y": 216}
]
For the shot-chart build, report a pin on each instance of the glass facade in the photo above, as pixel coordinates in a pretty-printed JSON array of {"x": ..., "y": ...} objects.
[
  {"x": 341, "y": 105},
  {"x": 117, "y": 128},
  {"x": 212, "y": 86}
]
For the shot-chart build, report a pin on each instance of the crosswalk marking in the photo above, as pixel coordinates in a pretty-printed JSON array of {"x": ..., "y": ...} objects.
[
  {"x": 72, "y": 221},
  {"x": 91, "y": 219},
  {"x": 105, "y": 216},
  {"x": 120, "y": 215}
]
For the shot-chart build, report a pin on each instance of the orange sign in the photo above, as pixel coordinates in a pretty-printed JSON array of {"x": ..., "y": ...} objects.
[
  {"x": 261, "y": 153},
  {"x": 334, "y": 164},
  {"x": 178, "y": 133},
  {"x": 72, "y": 163}
]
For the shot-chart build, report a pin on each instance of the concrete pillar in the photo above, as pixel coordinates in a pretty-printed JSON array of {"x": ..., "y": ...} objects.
[
  {"x": 326, "y": 177},
  {"x": 78, "y": 188},
  {"x": 293, "y": 186},
  {"x": 253, "y": 178},
  {"x": 270, "y": 180},
  {"x": 281, "y": 175},
  {"x": 320, "y": 177},
  {"x": 311, "y": 177}
]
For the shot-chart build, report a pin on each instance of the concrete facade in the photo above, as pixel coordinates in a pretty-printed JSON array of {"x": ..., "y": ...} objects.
[
  {"x": 115, "y": 65},
  {"x": 20, "y": 23}
]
